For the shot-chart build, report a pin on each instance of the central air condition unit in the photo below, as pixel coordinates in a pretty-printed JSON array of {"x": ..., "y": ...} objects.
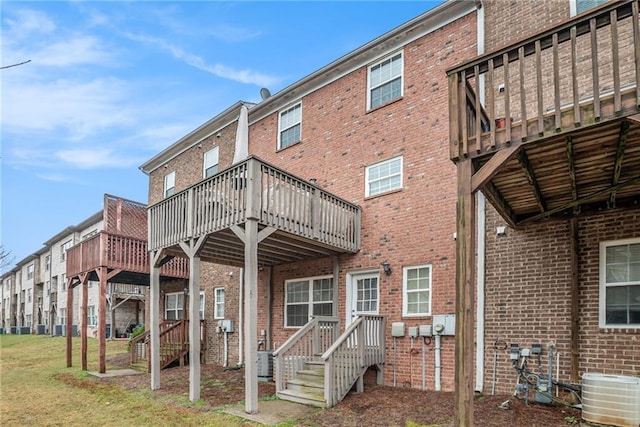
[
  {"x": 265, "y": 365},
  {"x": 611, "y": 399},
  {"x": 57, "y": 330}
]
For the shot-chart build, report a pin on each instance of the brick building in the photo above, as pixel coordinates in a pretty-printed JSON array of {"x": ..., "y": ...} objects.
[{"x": 367, "y": 132}]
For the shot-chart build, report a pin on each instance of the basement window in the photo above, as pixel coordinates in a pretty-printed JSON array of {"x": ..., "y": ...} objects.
[{"x": 620, "y": 283}]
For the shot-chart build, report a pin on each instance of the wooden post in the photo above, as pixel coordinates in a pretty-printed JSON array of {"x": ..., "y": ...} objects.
[
  {"x": 69, "y": 321},
  {"x": 194, "y": 327},
  {"x": 154, "y": 316},
  {"x": 251, "y": 316},
  {"x": 465, "y": 250},
  {"x": 575, "y": 300},
  {"x": 102, "y": 327},
  {"x": 83, "y": 320}
]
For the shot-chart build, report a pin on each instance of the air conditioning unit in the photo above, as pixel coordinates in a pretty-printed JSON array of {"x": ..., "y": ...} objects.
[
  {"x": 58, "y": 330},
  {"x": 611, "y": 399},
  {"x": 265, "y": 365}
]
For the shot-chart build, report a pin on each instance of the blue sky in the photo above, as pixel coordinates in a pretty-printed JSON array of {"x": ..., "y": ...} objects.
[{"x": 111, "y": 84}]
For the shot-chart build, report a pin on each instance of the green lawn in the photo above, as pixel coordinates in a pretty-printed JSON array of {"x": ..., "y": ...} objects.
[{"x": 37, "y": 389}]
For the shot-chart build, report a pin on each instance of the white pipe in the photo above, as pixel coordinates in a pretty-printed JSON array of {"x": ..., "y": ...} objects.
[
  {"x": 394, "y": 361},
  {"x": 437, "y": 363},
  {"x": 226, "y": 349},
  {"x": 424, "y": 363},
  {"x": 480, "y": 303},
  {"x": 240, "y": 311}
]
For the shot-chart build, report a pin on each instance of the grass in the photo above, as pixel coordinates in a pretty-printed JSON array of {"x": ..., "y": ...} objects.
[{"x": 37, "y": 388}]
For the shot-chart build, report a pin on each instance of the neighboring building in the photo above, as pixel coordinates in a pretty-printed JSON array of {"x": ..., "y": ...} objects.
[
  {"x": 559, "y": 234},
  {"x": 350, "y": 184}
]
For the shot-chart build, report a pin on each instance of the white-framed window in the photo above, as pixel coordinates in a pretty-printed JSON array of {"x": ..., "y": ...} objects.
[
  {"x": 63, "y": 249},
  {"x": 28, "y": 295},
  {"x": 90, "y": 234},
  {"x": 620, "y": 283},
  {"x": 307, "y": 297},
  {"x": 169, "y": 184},
  {"x": 92, "y": 317},
  {"x": 211, "y": 162},
  {"x": 63, "y": 279},
  {"x": 385, "y": 80},
  {"x": 289, "y": 126},
  {"x": 416, "y": 290},
  {"x": 383, "y": 176},
  {"x": 62, "y": 318},
  {"x": 47, "y": 263},
  {"x": 27, "y": 320},
  {"x": 578, "y": 6},
  {"x": 30, "y": 271},
  {"x": 48, "y": 286},
  {"x": 218, "y": 312},
  {"x": 174, "y": 303}
]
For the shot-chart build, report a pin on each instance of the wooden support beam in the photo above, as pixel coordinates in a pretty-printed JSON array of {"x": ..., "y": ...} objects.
[
  {"x": 498, "y": 202},
  {"x": 84, "y": 280},
  {"x": 154, "y": 315},
  {"x": 572, "y": 172},
  {"x": 529, "y": 173},
  {"x": 617, "y": 168},
  {"x": 102, "y": 327},
  {"x": 69, "y": 321},
  {"x": 465, "y": 294},
  {"x": 491, "y": 168},
  {"x": 580, "y": 201},
  {"x": 575, "y": 301}
]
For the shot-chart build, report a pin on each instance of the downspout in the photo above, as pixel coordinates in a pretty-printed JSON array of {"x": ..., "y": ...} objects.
[
  {"x": 270, "y": 309},
  {"x": 240, "y": 311},
  {"x": 480, "y": 235}
]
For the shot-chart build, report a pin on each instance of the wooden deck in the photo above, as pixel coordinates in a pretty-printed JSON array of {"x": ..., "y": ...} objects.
[{"x": 308, "y": 221}]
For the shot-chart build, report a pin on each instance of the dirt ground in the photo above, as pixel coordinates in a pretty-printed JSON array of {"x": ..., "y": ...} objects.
[{"x": 377, "y": 406}]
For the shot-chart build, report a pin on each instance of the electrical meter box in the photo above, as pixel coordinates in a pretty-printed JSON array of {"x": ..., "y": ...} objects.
[
  {"x": 397, "y": 329},
  {"x": 413, "y": 331},
  {"x": 425, "y": 330},
  {"x": 226, "y": 325},
  {"x": 448, "y": 321}
]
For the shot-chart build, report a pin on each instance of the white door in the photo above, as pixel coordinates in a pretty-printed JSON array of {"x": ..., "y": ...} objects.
[{"x": 363, "y": 296}]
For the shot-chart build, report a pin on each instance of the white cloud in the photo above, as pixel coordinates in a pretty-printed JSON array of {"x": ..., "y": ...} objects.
[
  {"x": 54, "y": 177},
  {"x": 24, "y": 22},
  {"x": 75, "y": 51},
  {"x": 95, "y": 158},
  {"x": 219, "y": 70}
]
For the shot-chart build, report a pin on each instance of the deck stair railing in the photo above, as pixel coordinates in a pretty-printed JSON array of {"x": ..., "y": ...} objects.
[
  {"x": 174, "y": 344},
  {"x": 316, "y": 367}
]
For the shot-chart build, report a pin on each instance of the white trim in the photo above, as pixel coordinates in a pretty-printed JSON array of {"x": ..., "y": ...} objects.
[
  {"x": 388, "y": 57},
  {"x": 216, "y": 302},
  {"x": 573, "y": 7},
  {"x": 405, "y": 292},
  {"x": 367, "y": 193},
  {"x": 603, "y": 285},
  {"x": 215, "y": 151},
  {"x": 310, "y": 302},
  {"x": 351, "y": 277}
]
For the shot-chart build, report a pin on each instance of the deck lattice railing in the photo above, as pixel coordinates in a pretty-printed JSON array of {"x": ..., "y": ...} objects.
[
  {"x": 578, "y": 74},
  {"x": 254, "y": 189},
  {"x": 361, "y": 345},
  {"x": 307, "y": 344}
]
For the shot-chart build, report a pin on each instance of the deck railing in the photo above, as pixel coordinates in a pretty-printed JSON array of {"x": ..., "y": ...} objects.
[
  {"x": 255, "y": 189},
  {"x": 361, "y": 345},
  {"x": 578, "y": 74},
  {"x": 117, "y": 252},
  {"x": 124, "y": 289},
  {"x": 307, "y": 344}
]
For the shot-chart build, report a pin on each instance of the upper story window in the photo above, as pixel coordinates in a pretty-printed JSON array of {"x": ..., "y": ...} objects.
[
  {"x": 30, "y": 271},
  {"x": 416, "y": 287},
  {"x": 90, "y": 234},
  {"x": 63, "y": 249},
  {"x": 47, "y": 263},
  {"x": 211, "y": 162},
  {"x": 576, "y": 7},
  {"x": 384, "y": 176},
  {"x": 169, "y": 184},
  {"x": 385, "y": 80},
  {"x": 305, "y": 298},
  {"x": 28, "y": 295},
  {"x": 620, "y": 283},
  {"x": 289, "y": 126},
  {"x": 219, "y": 303}
]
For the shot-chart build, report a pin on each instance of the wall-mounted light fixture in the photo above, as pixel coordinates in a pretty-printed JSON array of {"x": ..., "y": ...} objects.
[
  {"x": 386, "y": 267},
  {"x": 313, "y": 181},
  {"x": 501, "y": 231}
]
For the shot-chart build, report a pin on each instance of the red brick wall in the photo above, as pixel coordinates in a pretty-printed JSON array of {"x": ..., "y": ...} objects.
[{"x": 528, "y": 296}]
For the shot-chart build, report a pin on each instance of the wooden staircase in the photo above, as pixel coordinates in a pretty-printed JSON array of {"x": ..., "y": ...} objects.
[
  {"x": 174, "y": 345},
  {"x": 315, "y": 368}
]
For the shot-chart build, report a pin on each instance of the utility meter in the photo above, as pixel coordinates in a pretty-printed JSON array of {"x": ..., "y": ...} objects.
[{"x": 438, "y": 328}]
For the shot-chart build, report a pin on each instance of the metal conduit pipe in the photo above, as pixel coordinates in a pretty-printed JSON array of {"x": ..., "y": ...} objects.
[{"x": 437, "y": 362}]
